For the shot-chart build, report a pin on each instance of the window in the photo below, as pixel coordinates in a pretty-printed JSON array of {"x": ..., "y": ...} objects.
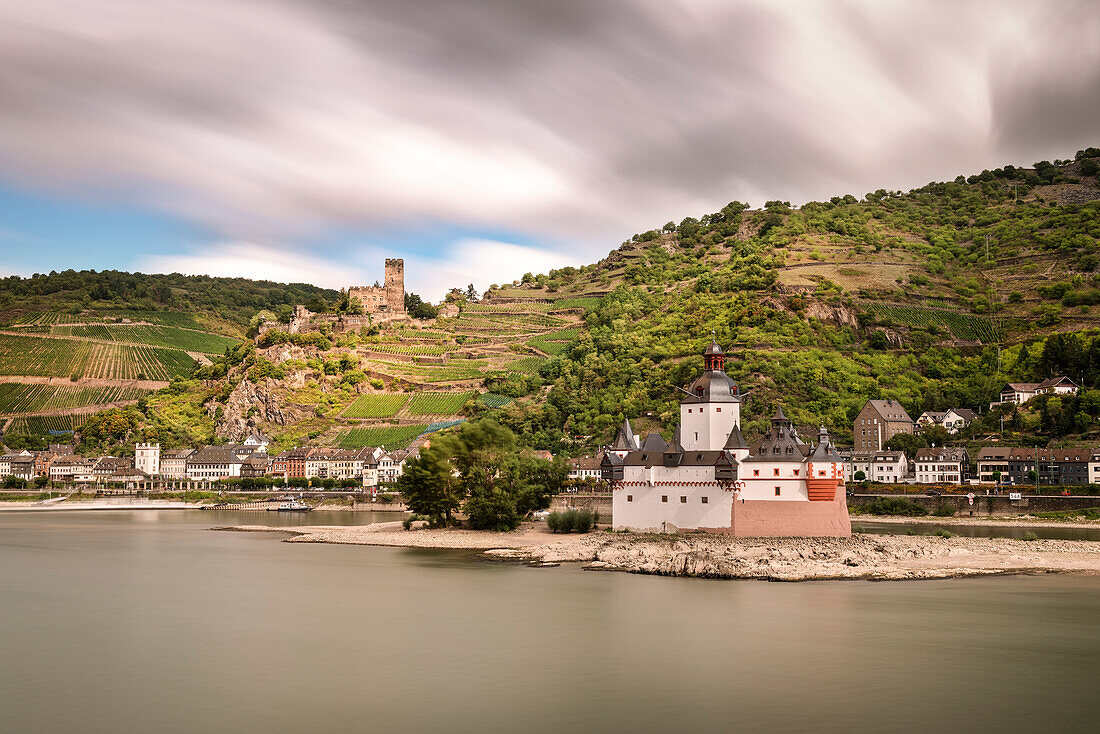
[
  {"x": 683, "y": 500},
  {"x": 704, "y": 500},
  {"x": 796, "y": 472},
  {"x": 664, "y": 498},
  {"x": 821, "y": 473},
  {"x": 630, "y": 498},
  {"x": 689, "y": 410},
  {"x": 717, "y": 410},
  {"x": 777, "y": 491},
  {"x": 697, "y": 435},
  {"x": 776, "y": 472},
  {"x": 756, "y": 472}
]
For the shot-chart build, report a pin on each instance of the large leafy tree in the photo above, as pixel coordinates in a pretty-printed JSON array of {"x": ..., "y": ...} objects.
[{"x": 481, "y": 464}]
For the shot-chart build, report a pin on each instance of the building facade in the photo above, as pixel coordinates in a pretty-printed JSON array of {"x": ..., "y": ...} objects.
[
  {"x": 708, "y": 479},
  {"x": 388, "y": 298},
  {"x": 877, "y": 423},
  {"x": 942, "y": 465}
]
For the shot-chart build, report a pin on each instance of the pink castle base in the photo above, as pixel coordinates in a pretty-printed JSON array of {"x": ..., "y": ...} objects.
[{"x": 781, "y": 519}]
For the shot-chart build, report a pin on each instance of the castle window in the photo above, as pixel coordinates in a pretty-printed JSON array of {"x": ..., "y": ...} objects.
[
  {"x": 756, "y": 472},
  {"x": 796, "y": 472},
  {"x": 630, "y": 498},
  {"x": 777, "y": 490},
  {"x": 704, "y": 500},
  {"x": 821, "y": 473},
  {"x": 683, "y": 500},
  {"x": 689, "y": 410},
  {"x": 717, "y": 410},
  {"x": 664, "y": 498},
  {"x": 776, "y": 472}
]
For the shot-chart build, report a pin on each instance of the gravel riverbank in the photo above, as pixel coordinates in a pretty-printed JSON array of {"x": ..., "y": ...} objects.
[{"x": 877, "y": 557}]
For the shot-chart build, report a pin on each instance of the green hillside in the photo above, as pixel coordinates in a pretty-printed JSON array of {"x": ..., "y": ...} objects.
[{"x": 934, "y": 297}]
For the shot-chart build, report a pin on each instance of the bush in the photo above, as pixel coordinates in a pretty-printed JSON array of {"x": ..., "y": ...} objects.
[
  {"x": 892, "y": 506},
  {"x": 944, "y": 510},
  {"x": 567, "y": 521},
  {"x": 944, "y": 533},
  {"x": 1030, "y": 536}
]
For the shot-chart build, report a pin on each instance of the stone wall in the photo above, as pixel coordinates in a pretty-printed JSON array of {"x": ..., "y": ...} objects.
[{"x": 988, "y": 505}]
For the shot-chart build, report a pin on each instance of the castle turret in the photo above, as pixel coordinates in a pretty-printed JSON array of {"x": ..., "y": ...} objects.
[
  {"x": 711, "y": 406},
  {"x": 825, "y": 472}
]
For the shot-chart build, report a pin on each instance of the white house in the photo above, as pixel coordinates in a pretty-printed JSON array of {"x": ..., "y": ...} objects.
[
  {"x": 888, "y": 467},
  {"x": 953, "y": 419},
  {"x": 942, "y": 465},
  {"x": 1019, "y": 393},
  {"x": 147, "y": 458}
]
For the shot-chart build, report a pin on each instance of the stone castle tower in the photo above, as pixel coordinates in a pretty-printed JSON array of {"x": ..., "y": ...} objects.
[
  {"x": 395, "y": 285},
  {"x": 388, "y": 298}
]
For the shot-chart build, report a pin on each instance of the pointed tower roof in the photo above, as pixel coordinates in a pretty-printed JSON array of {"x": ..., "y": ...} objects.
[
  {"x": 654, "y": 442},
  {"x": 676, "y": 446},
  {"x": 736, "y": 440},
  {"x": 779, "y": 417},
  {"x": 625, "y": 440},
  {"x": 824, "y": 451}
]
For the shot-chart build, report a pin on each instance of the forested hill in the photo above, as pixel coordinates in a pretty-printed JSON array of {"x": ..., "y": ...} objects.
[
  {"x": 934, "y": 297},
  {"x": 233, "y": 300}
]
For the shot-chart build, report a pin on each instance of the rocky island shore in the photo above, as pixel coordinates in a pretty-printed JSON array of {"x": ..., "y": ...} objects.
[{"x": 866, "y": 557}]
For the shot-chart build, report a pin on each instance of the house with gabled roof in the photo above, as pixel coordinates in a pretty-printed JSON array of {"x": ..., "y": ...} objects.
[{"x": 877, "y": 423}]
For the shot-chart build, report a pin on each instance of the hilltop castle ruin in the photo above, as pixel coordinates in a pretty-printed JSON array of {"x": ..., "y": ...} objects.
[{"x": 388, "y": 298}]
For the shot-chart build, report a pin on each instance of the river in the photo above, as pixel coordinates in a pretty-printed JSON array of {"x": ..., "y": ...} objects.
[{"x": 148, "y": 622}]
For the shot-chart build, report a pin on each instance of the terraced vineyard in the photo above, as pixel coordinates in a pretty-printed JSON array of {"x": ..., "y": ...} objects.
[
  {"x": 376, "y": 405},
  {"x": 438, "y": 403},
  {"x": 19, "y": 398},
  {"x": 492, "y": 400},
  {"x": 52, "y": 425},
  {"x": 527, "y": 365},
  {"x": 26, "y": 355},
  {"x": 161, "y": 336},
  {"x": 962, "y": 326},
  {"x": 392, "y": 437}
]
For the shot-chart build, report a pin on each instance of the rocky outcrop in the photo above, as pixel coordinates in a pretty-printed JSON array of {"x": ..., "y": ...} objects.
[
  {"x": 839, "y": 314},
  {"x": 247, "y": 407}
]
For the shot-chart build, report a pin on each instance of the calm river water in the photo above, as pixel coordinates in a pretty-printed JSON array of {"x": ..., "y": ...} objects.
[{"x": 148, "y": 622}]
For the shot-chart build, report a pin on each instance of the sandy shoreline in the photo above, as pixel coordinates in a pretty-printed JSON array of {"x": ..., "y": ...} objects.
[{"x": 867, "y": 557}]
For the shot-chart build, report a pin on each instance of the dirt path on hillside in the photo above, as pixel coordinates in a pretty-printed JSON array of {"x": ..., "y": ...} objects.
[{"x": 83, "y": 381}]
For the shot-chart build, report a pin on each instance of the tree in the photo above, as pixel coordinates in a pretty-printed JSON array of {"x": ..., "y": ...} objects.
[
  {"x": 429, "y": 488},
  {"x": 908, "y": 443},
  {"x": 471, "y": 292},
  {"x": 418, "y": 308},
  {"x": 859, "y": 476}
]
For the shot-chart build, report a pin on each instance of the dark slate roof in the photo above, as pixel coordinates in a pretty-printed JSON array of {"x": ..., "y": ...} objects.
[
  {"x": 676, "y": 446},
  {"x": 966, "y": 413},
  {"x": 714, "y": 348},
  {"x": 736, "y": 440},
  {"x": 1052, "y": 381},
  {"x": 688, "y": 458},
  {"x": 942, "y": 453},
  {"x": 713, "y": 386},
  {"x": 654, "y": 442},
  {"x": 781, "y": 443},
  {"x": 825, "y": 451},
  {"x": 625, "y": 440}
]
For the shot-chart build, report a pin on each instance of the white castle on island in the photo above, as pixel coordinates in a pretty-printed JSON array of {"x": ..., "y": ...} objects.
[{"x": 708, "y": 478}]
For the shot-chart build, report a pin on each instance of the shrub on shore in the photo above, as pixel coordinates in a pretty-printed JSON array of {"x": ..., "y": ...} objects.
[
  {"x": 944, "y": 510},
  {"x": 567, "y": 521},
  {"x": 892, "y": 506}
]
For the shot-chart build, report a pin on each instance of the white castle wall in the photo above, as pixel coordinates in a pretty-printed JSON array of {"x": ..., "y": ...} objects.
[
  {"x": 638, "y": 505},
  {"x": 706, "y": 426}
]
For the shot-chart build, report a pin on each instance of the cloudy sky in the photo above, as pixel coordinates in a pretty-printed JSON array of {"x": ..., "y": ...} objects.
[{"x": 308, "y": 140}]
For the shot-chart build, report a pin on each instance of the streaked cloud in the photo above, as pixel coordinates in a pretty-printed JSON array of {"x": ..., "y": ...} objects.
[{"x": 571, "y": 123}]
